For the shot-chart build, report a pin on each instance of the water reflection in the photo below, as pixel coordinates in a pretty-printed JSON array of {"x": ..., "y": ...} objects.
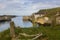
[
  {"x": 27, "y": 24},
  {"x": 19, "y": 22}
]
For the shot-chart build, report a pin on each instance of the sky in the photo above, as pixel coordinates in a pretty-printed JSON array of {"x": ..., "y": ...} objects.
[{"x": 25, "y": 7}]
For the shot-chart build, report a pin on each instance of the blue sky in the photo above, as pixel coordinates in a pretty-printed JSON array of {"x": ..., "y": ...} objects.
[{"x": 25, "y": 7}]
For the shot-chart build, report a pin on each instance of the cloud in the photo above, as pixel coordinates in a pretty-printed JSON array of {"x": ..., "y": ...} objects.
[
  {"x": 2, "y": 6},
  {"x": 26, "y": 7}
]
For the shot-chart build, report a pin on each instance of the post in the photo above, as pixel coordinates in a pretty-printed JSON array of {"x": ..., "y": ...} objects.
[
  {"x": 33, "y": 20},
  {"x": 12, "y": 30}
]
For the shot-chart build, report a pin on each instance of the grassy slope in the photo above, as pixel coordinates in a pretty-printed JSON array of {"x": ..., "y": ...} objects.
[
  {"x": 53, "y": 34},
  {"x": 5, "y": 35},
  {"x": 54, "y": 10},
  {"x": 50, "y": 12}
]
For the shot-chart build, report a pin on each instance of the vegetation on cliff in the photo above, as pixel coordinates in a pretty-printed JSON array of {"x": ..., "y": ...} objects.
[{"x": 49, "y": 12}]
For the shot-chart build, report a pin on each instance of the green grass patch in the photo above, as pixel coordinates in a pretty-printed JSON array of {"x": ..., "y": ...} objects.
[{"x": 51, "y": 33}]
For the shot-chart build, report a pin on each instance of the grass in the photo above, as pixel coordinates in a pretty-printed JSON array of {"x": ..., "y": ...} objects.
[
  {"x": 5, "y": 35},
  {"x": 51, "y": 33}
]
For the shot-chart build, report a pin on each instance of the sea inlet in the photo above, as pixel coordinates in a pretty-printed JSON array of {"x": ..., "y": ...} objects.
[{"x": 18, "y": 22}]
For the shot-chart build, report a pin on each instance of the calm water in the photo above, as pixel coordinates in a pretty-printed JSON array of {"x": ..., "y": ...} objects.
[{"x": 18, "y": 22}]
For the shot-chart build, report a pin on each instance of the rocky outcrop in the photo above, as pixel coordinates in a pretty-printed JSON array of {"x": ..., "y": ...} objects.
[{"x": 6, "y": 17}]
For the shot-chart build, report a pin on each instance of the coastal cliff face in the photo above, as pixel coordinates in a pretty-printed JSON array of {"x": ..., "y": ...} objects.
[
  {"x": 26, "y": 18},
  {"x": 42, "y": 20},
  {"x": 45, "y": 16}
]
